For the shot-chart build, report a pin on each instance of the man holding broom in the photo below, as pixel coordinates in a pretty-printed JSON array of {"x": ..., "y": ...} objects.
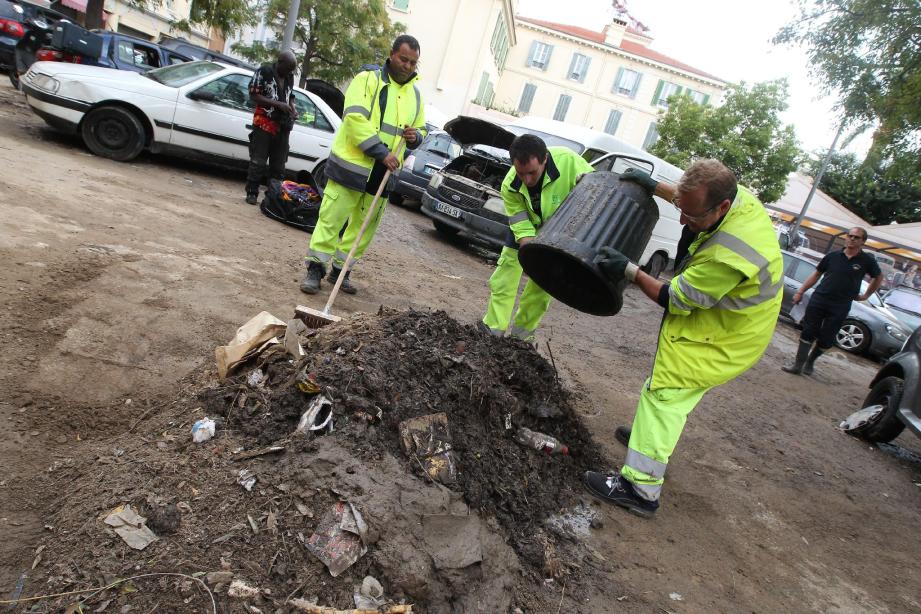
[{"x": 383, "y": 108}]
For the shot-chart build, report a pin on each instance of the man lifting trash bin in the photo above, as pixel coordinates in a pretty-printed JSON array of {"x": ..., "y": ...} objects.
[{"x": 720, "y": 312}]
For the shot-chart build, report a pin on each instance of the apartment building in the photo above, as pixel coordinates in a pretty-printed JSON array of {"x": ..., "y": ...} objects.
[{"x": 609, "y": 80}]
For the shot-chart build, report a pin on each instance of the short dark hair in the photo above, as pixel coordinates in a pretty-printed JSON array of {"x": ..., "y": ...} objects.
[
  {"x": 527, "y": 146},
  {"x": 862, "y": 230},
  {"x": 409, "y": 41}
]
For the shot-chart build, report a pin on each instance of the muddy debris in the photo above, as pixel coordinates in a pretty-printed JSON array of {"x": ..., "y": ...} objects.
[{"x": 455, "y": 515}]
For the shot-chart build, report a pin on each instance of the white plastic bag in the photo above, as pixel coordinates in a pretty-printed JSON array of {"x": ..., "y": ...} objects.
[{"x": 203, "y": 430}]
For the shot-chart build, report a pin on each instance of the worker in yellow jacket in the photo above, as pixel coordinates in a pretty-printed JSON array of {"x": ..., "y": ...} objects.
[
  {"x": 721, "y": 309},
  {"x": 539, "y": 181},
  {"x": 381, "y": 107}
]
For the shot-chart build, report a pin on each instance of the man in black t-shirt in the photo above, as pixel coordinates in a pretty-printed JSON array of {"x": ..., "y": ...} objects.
[{"x": 841, "y": 274}]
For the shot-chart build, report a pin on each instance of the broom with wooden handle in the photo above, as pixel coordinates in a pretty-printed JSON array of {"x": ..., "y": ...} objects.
[{"x": 317, "y": 319}]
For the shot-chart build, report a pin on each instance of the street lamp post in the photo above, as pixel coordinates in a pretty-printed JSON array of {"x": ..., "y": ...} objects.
[
  {"x": 293, "y": 9},
  {"x": 815, "y": 184}
]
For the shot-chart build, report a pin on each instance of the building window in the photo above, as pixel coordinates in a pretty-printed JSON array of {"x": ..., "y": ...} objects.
[
  {"x": 527, "y": 97},
  {"x": 578, "y": 68},
  {"x": 499, "y": 44},
  {"x": 610, "y": 126},
  {"x": 562, "y": 106},
  {"x": 485, "y": 93},
  {"x": 652, "y": 135},
  {"x": 400, "y": 5},
  {"x": 627, "y": 82},
  {"x": 540, "y": 55},
  {"x": 698, "y": 97},
  {"x": 663, "y": 91}
]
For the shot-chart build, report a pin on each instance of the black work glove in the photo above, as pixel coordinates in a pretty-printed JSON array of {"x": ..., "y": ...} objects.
[
  {"x": 640, "y": 177},
  {"x": 614, "y": 265}
]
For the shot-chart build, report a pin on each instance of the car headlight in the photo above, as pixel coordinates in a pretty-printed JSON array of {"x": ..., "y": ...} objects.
[
  {"x": 409, "y": 162},
  {"x": 45, "y": 82},
  {"x": 495, "y": 204},
  {"x": 436, "y": 180},
  {"x": 895, "y": 332}
]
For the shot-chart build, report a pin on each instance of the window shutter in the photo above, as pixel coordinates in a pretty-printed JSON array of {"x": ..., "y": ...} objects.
[
  {"x": 655, "y": 97},
  {"x": 588, "y": 62},
  {"x": 620, "y": 75},
  {"x": 572, "y": 65},
  {"x": 706, "y": 99},
  {"x": 549, "y": 53},
  {"x": 533, "y": 54},
  {"x": 527, "y": 97},
  {"x": 613, "y": 121},
  {"x": 678, "y": 91},
  {"x": 636, "y": 85}
]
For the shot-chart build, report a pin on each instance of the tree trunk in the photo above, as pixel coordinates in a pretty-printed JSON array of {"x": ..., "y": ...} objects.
[{"x": 94, "y": 14}]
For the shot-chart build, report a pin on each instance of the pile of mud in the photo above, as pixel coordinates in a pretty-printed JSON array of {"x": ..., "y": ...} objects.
[{"x": 502, "y": 533}]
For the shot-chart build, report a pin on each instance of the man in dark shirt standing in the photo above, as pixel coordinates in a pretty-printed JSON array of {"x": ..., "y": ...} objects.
[
  {"x": 841, "y": 273},
  {"x": 272, "y": 91}
]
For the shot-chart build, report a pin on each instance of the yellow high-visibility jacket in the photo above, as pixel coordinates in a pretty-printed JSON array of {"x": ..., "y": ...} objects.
[
  {"x": 724, "y": 304},
  {"x": 367, "y": 135}
]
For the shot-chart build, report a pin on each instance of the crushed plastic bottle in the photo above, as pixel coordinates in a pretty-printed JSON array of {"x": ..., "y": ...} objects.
[{"x": 540, "y": 441}]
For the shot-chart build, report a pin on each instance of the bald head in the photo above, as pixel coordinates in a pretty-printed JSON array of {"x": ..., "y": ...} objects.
[{"x": 286, "y": 63}]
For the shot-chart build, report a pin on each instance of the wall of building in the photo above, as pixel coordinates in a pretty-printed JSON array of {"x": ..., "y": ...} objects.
[
  {"x": 154, "y": 22},
  {"x": 592, "y": 99}
]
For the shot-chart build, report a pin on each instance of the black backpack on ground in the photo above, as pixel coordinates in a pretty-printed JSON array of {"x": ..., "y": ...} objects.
[{"x": 289, "y": 208}]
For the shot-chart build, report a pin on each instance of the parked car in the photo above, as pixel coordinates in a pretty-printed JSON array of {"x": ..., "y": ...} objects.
[
  {"x": 905, "y": 303},
  {"x": 119, "y": 51},
  {"x": 197, "y": 109},
  {"x": 895, "y": 391},
  {"x": 197, "y": 52},
  {"x": 408, "y": 183},
  {"x": 15, "y": 17},
  {"x": 464, "y": 196},
  {"x": 871, "y": 327}
]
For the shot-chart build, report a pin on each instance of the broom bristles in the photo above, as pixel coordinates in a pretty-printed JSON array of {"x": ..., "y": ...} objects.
[{"x": 314, "y": 318}]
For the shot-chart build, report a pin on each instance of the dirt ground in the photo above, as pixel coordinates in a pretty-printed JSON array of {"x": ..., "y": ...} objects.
[{"x": 119, "y": 280}]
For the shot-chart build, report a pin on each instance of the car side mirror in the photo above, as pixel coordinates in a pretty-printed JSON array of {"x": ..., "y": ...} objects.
[{"x": 203, "y": 96}]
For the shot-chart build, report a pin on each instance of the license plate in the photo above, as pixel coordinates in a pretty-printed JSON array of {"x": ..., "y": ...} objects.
[
  {"x": 428, "y": 170},
  {"x": 447, "y": 210}
]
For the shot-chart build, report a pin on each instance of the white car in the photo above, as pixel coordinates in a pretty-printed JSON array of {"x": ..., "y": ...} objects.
[{"x": 200, "y": 109}]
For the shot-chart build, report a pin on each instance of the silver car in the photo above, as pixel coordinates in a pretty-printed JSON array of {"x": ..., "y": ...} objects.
[{"x": 870, "y": 327}]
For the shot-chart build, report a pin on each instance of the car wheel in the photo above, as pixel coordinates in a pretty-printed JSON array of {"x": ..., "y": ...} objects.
[
  {"x": 655, "y": 266},
  {"x": 395, "y": 199},
  {"x": 448, "y": 231},
  {"x": 886, "y": 426},
  {"x": 14, "y": 79},
  {"x": 853, "y": 336},
  {"x": 113, "y": 132}
]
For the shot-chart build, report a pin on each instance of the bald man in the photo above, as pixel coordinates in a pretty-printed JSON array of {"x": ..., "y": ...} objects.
[{"x": 272, "y": 91}]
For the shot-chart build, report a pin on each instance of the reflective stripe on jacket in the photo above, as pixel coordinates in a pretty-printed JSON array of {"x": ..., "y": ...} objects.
[
  {"x": 564, "y": 167},
  {"x": 724, "y": 304},
  {"x": 364, "y": 136}
]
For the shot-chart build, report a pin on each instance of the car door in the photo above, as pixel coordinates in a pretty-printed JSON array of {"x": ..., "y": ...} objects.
[
  {"x": 215, "y": 117},
  {"x": 132, "y": 55},
  {"x": 312, "y": 136}
]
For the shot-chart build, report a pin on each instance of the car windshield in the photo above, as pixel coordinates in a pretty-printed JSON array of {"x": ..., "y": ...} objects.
[
  {"x": 178, "y": 75},
  {"x": 445, "y": 146},
  {"x": 550, "y": 139},
  {"x": 904, "y": 301}
]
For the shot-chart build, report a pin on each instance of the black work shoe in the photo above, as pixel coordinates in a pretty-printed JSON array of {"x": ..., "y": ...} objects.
[
  {"x": 619, "y": 491},
  {"x": 311, "y": 282},
  {"x": 346, "y": 286},
  {"x": 252, "y": 199},
  {"x": 622, "y": 434},
  {"x": 796, "y": 368}
]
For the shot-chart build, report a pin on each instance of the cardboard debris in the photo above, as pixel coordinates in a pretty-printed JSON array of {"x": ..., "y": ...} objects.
[
  {"x": 292, "y": 343},
  {"x": 428, "y": 440},
  {"x": 339, "y": 541},
  {"x": 251, "y": 338},
  {"x": 302, "y": 605},
  {"x": 131, "y": 527}
]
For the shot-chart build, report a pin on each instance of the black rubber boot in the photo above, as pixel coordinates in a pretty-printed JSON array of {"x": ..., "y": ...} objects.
[
  {"x": 809, "y": 366},
  {"x": 252, "y": 198},
  {"x": 347, "y": 286},
  {"x": 311, "y": 282},
  {"x": 801, "y": 354},
  {"x": 622, "y": 434}
]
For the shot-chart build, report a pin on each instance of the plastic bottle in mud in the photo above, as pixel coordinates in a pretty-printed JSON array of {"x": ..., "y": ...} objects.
[{"x": 539, "y": 441}]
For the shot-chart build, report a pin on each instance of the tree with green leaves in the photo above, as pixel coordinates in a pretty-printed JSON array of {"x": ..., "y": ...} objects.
[
  {"x": 869, "y": 53},
  {"x": 888, "y": 193},
  {"x": 336, "y": 38},
  {"x": 227, "y": 16},
  {"x": 745, "y": 134}
]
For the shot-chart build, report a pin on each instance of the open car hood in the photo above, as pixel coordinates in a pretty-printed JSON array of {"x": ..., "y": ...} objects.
[{"x": 473, "y": 131}]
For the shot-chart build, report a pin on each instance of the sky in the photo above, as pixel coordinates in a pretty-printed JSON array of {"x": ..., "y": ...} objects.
[{"x": 726, "y": 38}]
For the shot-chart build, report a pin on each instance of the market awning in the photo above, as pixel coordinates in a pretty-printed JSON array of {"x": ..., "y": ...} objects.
[{"x": 77, "y": 5}]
